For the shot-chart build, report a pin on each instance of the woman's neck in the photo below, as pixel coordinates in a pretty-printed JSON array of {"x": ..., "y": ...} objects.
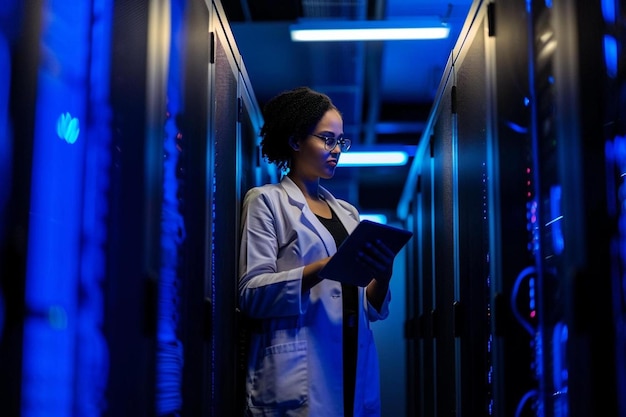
[{"x": 310, "y": 188}]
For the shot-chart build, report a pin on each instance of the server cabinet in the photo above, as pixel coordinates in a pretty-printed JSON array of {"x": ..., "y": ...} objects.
[
  {"x": 193, "y": 176},
  {"x": 423, "y": 307},
  {"x": 445, "y": 278},
  {"x": 577, "y": 59},
  {"x": 121, "y": 233},
  {"x": 56, "y": 352},
  {"x": 473, "y": 238},
  {"x": 235, "y": 166},
  {"x": 552, "y": 277},
  {"x": 451, "y": 301},
  {"x": 511, "y": 212},
  {"x": 132, "y": 247},
  {"x": 471, "y": 306},
  {"x": 219, "y": 162},
  {"x": 225, "y": 196}
]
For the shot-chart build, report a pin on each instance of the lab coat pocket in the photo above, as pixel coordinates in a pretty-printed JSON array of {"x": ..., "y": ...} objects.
[{"x": 281, "y": 377}]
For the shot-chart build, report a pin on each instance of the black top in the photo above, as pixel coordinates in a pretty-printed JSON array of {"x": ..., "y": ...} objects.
[{"x": 350, "y": 319}]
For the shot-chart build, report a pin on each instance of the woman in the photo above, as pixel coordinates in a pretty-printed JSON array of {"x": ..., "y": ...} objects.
[{"x": 311, "y": 348}]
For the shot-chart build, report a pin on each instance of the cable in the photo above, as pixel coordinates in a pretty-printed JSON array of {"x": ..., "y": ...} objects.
[
  {"x": 520, "y": 406},
  {"x": 514, "y": 292}
]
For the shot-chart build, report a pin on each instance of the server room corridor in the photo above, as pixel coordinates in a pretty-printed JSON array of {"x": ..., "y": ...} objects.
[{"x": 129, "y": 134}]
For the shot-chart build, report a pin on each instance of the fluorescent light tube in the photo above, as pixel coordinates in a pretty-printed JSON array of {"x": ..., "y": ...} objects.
[
  {"x": 368, "y": 30},
  {"x": 385, "y": 158}
]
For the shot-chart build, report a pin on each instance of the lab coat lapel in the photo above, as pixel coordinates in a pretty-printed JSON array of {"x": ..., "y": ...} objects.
[
  {"x": 311, "y": 221},
  {"x": 348, "y": 222}
]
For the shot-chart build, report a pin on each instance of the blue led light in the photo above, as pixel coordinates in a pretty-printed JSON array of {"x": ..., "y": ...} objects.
[
  {"x": 608, "y": 10},
  {"x": 558, "y": 241},
  {"x": 68, "y": 128},
  {"x": 610, "y": 55},
  {"x": 517, "y": 127}
]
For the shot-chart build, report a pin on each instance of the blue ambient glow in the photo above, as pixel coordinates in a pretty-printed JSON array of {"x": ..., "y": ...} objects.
[{"x": 65, "y": 354}]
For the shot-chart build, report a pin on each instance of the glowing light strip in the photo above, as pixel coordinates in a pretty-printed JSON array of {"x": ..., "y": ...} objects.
[
  {"x": 56, "y": 293},
  {"x": 384, "y": 158},
  {"x": 378, "y": 218},
  {"x": 369, "y": 30},
  {"x": 168, "y": 23}
]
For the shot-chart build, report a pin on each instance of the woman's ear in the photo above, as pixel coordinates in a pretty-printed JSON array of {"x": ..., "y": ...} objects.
[{"x": 294, "y": 143}]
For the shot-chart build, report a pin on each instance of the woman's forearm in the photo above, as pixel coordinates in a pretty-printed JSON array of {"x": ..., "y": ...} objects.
[
  {"x": 310, "y": 273},
  {"x": 376, "y": 292}
]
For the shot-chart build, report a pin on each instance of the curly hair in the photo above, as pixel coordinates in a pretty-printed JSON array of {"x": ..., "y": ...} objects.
[{"x": 291, "y": 114}]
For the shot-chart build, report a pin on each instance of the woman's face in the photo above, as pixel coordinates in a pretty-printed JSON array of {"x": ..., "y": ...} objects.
[{"x": 311, "y": 159}]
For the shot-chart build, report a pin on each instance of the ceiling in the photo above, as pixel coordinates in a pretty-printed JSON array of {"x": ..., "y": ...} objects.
[{"x": 385, "y": 90}]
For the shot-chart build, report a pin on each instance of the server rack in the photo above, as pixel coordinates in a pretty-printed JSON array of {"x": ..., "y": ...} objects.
[
  {"x": 468, "y": 189},
  {"x": 450, "y": 311},
  {"x": 144, "y": 323},
  {"x": 552, "y": 102},
  {"x": 577, "y": 62}
]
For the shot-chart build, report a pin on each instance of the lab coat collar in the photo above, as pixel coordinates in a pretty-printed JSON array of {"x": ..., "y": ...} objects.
[{"x": 297, "y": 198}]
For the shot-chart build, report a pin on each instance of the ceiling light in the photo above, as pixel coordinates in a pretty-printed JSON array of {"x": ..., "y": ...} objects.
[
  {"x": 384, "y": 158},
  {"x": 368, "y": 30}
]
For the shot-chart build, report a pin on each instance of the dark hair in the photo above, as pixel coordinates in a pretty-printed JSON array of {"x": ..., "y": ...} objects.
[{"x": 290, "y": 114}]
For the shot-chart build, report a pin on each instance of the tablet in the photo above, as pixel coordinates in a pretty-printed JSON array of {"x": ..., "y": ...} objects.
[{"x": 345, "y": 267}]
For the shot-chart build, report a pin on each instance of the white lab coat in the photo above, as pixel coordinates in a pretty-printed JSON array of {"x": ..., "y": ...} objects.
[{"x": 295, "y": 358}]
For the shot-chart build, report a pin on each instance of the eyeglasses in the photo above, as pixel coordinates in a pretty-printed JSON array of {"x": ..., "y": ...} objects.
[{"x": 330, "y": 142}]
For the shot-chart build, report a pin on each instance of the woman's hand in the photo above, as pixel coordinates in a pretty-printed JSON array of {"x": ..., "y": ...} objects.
[
  {"x": 379, "y": 259},
  {"x": 309, "y": 274}
]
